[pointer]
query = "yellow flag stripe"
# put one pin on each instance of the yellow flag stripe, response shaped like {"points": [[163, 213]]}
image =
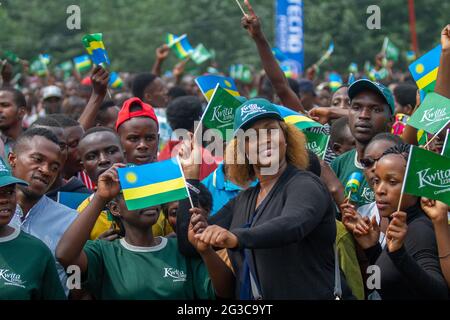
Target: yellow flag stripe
{"points": [[427, 79], [152, 189], [295, 118]]}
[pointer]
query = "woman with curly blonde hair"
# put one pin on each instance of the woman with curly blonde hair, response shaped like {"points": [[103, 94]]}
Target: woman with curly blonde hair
{"points": [[279, 233]]}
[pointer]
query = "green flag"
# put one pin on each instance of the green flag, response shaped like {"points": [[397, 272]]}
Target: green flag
{"points": [[219, 114], [433, 113], [317, 143], [427, 175], [446, 146], [200, 54], [241, 72], [11, 56], [390, 50], [37, 67]]}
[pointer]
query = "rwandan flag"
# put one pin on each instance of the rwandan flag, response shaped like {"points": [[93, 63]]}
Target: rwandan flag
{"points": [[180, 45], [152, 184], [425, 69], [334, 81], [95, 47], [45, 58], [208, 83], [115, 81], [300, 121], [82, 63]]}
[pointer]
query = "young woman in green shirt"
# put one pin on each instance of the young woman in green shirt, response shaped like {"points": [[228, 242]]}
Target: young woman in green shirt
{"points": [[139, 266]]}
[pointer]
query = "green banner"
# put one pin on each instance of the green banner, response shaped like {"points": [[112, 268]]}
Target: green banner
{"points": [[219, 114], [433, 113], [317, 143], [427, 175]]}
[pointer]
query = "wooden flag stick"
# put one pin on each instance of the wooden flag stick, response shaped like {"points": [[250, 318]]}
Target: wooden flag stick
{"points": [[437, 133], [400, 202], [349, 196], [239, 4], [109, 93]]}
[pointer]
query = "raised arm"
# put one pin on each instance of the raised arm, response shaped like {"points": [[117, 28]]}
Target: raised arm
{"points": [[443, 78], [70, 248], [289, 98], [161, 55], [100, 78]]}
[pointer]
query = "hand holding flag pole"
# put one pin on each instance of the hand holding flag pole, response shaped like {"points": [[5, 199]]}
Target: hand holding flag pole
{"points": [[437, 133]]}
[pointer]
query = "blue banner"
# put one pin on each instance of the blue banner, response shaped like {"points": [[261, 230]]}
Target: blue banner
{"points": [[289, 33]]}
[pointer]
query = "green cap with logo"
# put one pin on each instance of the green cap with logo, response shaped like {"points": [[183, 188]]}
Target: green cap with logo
{"points": [[251, 111], [366, 84], [6, 177]]}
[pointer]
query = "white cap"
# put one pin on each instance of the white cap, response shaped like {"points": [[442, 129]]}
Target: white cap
{"points": [[51, 91]]}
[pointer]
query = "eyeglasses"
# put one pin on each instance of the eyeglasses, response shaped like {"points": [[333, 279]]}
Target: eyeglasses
{"points": [[368, 162]]}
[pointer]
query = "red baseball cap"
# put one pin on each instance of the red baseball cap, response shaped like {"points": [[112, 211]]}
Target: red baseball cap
{"points": [[125, 113]]}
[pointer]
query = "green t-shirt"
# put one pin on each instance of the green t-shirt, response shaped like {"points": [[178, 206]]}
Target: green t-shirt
{"points": [[344, 166], [27, 269], [118, 270]]}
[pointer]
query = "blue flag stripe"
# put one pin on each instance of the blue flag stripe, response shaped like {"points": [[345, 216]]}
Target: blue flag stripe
{"points": [[150, 173], [430, 61]]}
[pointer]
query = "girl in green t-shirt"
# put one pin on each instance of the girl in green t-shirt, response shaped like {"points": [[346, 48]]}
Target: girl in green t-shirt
{"points": [[139, 265]]}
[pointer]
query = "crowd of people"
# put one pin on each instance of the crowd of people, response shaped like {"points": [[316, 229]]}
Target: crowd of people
{"points": [[242, 234]]}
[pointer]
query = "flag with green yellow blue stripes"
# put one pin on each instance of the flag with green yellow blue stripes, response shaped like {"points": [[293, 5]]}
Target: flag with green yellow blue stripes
{"points": [[152, 184]]}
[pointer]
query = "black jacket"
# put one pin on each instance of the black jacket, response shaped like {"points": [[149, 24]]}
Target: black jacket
{"points": [[291, 241], [413, 271]]}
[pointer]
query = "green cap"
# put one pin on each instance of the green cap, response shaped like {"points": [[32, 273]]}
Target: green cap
{"points": [[6, 177], [365, 84], [252, 110]]}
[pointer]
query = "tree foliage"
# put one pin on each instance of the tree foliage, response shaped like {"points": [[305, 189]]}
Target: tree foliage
{"points": [[133, 29]]}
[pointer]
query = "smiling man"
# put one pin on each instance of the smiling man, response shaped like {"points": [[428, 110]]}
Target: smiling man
{"points": [[371, 112], [36, 158]]}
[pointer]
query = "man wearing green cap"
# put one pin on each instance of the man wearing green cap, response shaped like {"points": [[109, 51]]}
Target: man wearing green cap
{"points": [[27, 267], [371, 112]]}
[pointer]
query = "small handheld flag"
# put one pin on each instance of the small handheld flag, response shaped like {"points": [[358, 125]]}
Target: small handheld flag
{"points": [[82, 63], [45, 58], [200, 54], [179, 45], [95, 48], [327, 54], [38, 68], [425, 69], [352, 186], [353, 68], [334, 81], [432, 114], [219, 114], [390, 50], [351, 78], [152, 184], [115, 81], [11, 56], [241, 72], [317, 143], [427, 175], [207, 85], [302, 122]]}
